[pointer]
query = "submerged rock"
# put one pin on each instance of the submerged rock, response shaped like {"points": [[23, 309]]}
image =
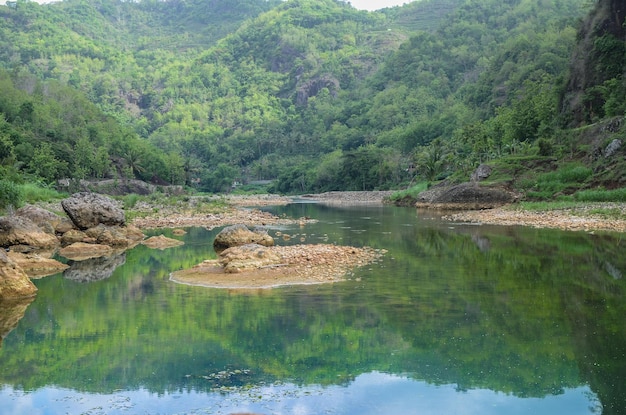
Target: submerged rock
{"points": [[238, 235], [162, 242]]}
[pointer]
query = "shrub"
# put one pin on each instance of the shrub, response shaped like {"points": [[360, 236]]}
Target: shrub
{"points": [[10, 194]]}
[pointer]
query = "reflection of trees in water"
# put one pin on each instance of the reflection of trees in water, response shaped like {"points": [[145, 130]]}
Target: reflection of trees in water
{"points": [[94, 269], [480, 307]]}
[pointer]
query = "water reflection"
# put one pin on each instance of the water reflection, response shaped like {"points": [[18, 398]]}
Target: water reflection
{"points": [[94, 269], [491, 319], [370, 393]]}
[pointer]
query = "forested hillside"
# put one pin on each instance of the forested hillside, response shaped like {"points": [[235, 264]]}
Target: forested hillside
{"points": [[314, 95]]}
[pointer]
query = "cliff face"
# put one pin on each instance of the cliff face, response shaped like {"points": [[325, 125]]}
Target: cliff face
{"points": [[598, 57]]}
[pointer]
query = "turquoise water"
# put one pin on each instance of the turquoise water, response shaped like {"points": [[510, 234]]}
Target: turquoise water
{"points": [[455, 318]]}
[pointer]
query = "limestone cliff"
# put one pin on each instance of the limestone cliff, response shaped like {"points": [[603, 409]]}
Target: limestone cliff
{"points": [[600, 55]]}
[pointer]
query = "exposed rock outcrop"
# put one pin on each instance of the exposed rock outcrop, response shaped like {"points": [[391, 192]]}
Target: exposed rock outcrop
{"points": [[80, 251], [464, 196], [36, 265], [46, 220], [23, 234], [314, 86], [14, 283], [247, 257], [88, 210], [237, 235]]}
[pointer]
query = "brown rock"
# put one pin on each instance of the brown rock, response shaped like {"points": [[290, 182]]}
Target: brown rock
{"points": [[162, 242], [73, 236], [64, 226], [36, 265], [14, 283], [43, 218], [19, 230], [115, 236], [238, 235], [247, 257], [80, 251]]}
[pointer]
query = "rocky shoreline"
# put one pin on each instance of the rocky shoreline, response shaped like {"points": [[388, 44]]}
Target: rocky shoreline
{"points": [[587, 217]]}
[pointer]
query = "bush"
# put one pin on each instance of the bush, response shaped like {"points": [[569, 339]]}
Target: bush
{"points": [[10, 194]]}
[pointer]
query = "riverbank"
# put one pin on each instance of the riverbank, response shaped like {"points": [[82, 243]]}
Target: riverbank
{"points": [[587, 217], [243, 209], [217, 211]]}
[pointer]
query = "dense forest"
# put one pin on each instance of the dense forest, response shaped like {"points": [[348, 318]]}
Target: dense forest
{"points": [[312, 95]]}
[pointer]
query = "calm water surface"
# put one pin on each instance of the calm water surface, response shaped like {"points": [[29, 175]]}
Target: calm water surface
{"points": [[455, 319]]}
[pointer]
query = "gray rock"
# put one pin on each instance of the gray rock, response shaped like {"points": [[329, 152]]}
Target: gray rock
{"points": [[238, 235], [465, 196], [88, 210], [612, 148], [481, 173]]}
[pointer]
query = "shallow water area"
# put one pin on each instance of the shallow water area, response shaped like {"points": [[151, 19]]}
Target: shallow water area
{"points": [[455, 318]]}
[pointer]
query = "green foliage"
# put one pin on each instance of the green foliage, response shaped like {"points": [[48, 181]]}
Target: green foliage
{"points": [[601, 195], [39, 192], [567, 179], [10, 194], [408, 194], [258, 89]]}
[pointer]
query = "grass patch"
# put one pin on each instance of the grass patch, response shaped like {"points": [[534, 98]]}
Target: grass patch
{"points": [[33, 192], [601, 195], [410, 193], [564, 180]]}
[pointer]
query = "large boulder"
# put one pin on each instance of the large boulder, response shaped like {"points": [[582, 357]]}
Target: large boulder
{"points": [[247, 257], [43, 218], [238, 235], [116, 236], [37, 265], [22, 233], [464, 196], [14, 283], [81, 251], [88, 210]]}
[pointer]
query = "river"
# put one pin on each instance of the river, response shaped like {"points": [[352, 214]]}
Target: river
{"points": [[456, 319]]}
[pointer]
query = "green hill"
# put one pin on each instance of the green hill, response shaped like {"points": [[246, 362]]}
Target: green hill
{"points": [[314, 95]]}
